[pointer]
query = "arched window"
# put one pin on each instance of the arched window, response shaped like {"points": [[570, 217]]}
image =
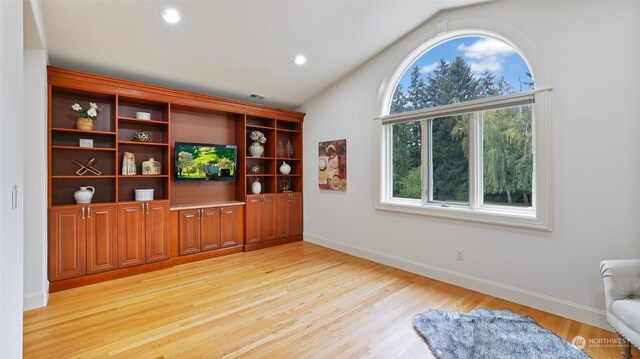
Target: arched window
{"points": [[459, 133]]}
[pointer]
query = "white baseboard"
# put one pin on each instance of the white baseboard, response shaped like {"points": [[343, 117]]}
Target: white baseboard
{"points": [[36, 300], [573, 311]]}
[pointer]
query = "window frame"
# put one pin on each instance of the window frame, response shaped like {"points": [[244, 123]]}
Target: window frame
{"points": [[537, 217]]}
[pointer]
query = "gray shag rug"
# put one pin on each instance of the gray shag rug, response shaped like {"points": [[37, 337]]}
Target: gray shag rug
{"points": [[495, 334]]}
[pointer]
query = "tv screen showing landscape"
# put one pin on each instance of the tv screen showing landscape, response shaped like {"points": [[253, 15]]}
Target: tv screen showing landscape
{"points": [[205, 162]]}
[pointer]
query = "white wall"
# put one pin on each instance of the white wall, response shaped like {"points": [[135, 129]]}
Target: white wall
{"points": [[592, 50], [36, 285], [11, 164]]}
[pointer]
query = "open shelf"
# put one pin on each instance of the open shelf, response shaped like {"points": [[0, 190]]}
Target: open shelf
{"points": [[286, 126], [289, 131], [142, 122], [76, 131], [260, 122], [71, 139], [66, 187], [134, 143], [77, 148], [128, 106], [88, 175], [294, 181], [128, 184], [267, 182], [62, 161], [142, 176], [143, 153], [62, 117]]}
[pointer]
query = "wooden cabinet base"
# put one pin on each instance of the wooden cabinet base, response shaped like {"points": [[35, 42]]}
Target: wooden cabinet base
{"points": [[126, 272], [206, 255], [271, 243]]}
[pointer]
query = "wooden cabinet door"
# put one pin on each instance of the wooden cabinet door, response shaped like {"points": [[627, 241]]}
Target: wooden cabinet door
{"points": [[131, 234], [254, 219], [283, 214], [229, 226], [157, 237], [67, 242], [189, 227], [102, 227], [296, 219], [268, 216], [210, 229]]}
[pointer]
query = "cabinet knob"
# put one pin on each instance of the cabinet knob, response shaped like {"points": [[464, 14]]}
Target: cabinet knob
{"points": [[82, 212]]}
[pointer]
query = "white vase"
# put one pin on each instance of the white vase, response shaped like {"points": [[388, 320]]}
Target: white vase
{"points": [[84, 194], [285, 169], [256, 150], [256, 187]]}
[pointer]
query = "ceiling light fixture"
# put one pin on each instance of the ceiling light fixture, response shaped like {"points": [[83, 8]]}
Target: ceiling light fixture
{"points": [[171, 16], [300, 60]]}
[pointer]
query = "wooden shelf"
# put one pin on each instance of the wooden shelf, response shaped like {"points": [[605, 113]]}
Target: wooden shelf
{"points": [[288, 159], [134, 143], [260, 158], [259, 175], [76, 148], [288, 130], [143, 122], [91, 176], [258, 127], [143, 176], [289, 175], [82, 132]]}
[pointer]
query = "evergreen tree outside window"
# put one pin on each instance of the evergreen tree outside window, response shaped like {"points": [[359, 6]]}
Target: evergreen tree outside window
{"points": [[480, 157]]}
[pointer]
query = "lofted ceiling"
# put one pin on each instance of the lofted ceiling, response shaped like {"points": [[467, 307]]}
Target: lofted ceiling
{"points": [[229, 48]]}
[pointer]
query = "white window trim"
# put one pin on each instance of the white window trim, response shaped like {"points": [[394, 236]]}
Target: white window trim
{"points": [[537, 218]]}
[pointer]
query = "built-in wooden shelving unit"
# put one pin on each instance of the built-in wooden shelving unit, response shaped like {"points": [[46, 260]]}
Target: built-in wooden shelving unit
{"points": [[114, 235]]}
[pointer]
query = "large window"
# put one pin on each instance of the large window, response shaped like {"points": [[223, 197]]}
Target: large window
{"points": [[463, 135]]}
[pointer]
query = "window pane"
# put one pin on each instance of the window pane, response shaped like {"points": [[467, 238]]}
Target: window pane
{"points": [[508, 156], [449, 167], [461, 69], [406, 160]]}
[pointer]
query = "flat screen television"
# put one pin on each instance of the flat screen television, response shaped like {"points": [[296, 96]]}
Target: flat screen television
{"points": [[205, 162]]}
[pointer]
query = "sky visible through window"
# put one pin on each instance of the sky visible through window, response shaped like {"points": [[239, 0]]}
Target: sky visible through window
{"points": [[480, 53]]}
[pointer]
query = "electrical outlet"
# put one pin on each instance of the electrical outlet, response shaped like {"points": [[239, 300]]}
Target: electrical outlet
{"points": [[459, 254]]}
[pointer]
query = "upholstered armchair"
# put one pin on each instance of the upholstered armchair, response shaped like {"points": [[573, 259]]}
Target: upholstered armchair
{"points": [[622, 294]]}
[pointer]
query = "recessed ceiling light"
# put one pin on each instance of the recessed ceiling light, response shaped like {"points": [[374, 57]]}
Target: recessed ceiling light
{"points": [[300, 60], [171, 16]]}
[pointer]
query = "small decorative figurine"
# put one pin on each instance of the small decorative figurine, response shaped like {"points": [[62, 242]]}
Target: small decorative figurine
{"points": [[151, 167], [255, 168], [128, 164], [280, 149], [142, 136], [289, 149], [84, 168], [285, 185]]}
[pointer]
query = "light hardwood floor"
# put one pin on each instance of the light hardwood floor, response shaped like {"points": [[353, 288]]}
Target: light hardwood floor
{"points": [[293, 301]]}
